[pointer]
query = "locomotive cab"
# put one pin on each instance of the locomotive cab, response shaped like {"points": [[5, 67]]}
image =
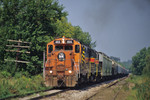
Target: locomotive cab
{"points": [[62, 65]]}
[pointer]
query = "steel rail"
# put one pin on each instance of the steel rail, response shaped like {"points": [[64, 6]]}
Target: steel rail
{"points": [[108, 87]]}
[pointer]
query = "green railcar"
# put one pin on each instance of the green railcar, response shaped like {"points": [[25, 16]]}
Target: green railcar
{"points": [[106, 62]]}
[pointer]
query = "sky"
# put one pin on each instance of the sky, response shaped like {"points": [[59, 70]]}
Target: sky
{"points": [[120, 27]]}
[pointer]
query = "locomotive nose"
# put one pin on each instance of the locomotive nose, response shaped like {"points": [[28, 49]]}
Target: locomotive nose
{"points": [[64, 66]]}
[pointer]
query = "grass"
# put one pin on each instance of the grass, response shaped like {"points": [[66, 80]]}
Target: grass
{"points": [[139, 87], [19, 84]]}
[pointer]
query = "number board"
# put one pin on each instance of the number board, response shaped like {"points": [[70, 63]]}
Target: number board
{"points": [[57, 42], [69, 41]]}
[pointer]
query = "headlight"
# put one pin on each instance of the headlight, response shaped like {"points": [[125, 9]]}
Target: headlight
{"points": [[61, 56], [70, 71], [51, 71]]}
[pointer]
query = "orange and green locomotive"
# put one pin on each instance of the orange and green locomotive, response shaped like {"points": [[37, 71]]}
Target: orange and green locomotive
{"points": [[70, 63]]}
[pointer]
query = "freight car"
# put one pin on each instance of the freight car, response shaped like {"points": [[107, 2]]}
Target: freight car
{"points": [[70, 63], [122, 71], [106, 66]]}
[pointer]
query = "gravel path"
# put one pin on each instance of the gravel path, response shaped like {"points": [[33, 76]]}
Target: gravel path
{"points": [[108, 90], [88, 93]]}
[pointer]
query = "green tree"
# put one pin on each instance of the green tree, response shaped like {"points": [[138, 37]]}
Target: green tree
{"points": [[38, 22], [83, 37], [29, 20], [64, 28], [139, 62], [146, 69]]}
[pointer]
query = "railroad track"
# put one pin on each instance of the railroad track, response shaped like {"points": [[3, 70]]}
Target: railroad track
{"points": [[80, 88], [37, 95], [55, 91], [115, 96], [109, 85], [45, 94], [27, 94]]}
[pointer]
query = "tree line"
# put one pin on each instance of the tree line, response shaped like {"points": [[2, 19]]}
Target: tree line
{"points": [[141, 73], [141, 62], [38, 22]]}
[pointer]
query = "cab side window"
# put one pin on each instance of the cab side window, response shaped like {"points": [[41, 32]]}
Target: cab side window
{"points": [[77, 48], [50, 48]]}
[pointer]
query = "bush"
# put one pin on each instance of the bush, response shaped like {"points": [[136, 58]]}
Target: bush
{"points": [[4, 88], [143, 92], [141, 89], [5, 74], [20, 84]]}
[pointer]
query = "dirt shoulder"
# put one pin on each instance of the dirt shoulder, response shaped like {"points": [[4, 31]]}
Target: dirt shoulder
{"points": [[119, 91]]}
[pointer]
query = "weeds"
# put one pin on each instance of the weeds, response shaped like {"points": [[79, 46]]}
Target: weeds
{"points": [[19, 84], [143, 91], [141, 88]]}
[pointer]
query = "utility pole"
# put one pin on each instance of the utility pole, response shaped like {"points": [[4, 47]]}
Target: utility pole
{"points": [[44, 65], [17, 55], [20, 45]]}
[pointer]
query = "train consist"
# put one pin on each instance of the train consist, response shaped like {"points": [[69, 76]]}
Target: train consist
{"points": [[70, 63]]}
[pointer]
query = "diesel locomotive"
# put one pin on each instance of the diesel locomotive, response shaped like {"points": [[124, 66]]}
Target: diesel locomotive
{"points": [[70, 63]]}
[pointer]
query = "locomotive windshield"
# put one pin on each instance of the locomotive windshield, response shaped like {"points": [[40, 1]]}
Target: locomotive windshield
{"points": [[50, 48], [66, 47], [77, 48], [58, 48]]}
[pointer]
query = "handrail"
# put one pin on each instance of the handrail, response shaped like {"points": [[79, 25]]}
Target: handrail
{"points": [[76, 66]]}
